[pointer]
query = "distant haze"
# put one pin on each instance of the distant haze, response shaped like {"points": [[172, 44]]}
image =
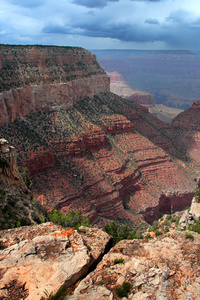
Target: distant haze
{"points": [[172, 77]]}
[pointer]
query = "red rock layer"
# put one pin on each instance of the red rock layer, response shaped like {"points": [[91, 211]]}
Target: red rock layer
{"points": [[142, 98], [185, 133], [134, 174], [35, 78]]}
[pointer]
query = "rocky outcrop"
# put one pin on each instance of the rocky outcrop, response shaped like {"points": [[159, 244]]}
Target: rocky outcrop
{"points": [[120, 86], [190, 215], [17, 206], [9, 173], [44, 259], [141, 98], [37, 78], [163, 268]]}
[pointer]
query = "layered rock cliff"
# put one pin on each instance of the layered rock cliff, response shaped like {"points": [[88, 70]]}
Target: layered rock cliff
{"points": [[94, 158], [17, 206], [104, 154], [37, 78], [184, 133]]}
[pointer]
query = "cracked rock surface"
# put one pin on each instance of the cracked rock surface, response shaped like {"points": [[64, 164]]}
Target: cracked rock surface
{"points": [[45, 262], [164, 268]]}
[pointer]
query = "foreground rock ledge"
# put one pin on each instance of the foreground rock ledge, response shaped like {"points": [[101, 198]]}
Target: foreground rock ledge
{"points": [[165, 268], [47, 259]]}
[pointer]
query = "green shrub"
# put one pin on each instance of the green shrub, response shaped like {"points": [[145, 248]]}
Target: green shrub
{"points": [[120, 292], [166, 229], [124, 290], [119, 232], [118, 261], [155, 225], [3, 162], [148, 236], [88, 247], [59, 295], [158, 232], [73, 218], [126, 286], [189, 236]]}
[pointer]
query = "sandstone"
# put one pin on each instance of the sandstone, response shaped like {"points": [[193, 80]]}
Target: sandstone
{"points": [[48, 259], [46, 79], [88, 148], [163, 269], [102, 162]]}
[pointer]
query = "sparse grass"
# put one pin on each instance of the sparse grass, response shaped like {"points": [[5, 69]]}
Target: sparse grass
{"points": [[59, 295]]}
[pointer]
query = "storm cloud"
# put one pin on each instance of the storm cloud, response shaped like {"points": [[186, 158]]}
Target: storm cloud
{"points": [[147, 24], [92, 3]]}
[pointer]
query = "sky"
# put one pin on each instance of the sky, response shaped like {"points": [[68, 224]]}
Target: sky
{"points": [[102, 24]]}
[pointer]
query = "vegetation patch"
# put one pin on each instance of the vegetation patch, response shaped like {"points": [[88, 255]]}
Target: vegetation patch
{"points": [[118, 261], [124, 290], [189, 236], [120, 232], [73, 218]]}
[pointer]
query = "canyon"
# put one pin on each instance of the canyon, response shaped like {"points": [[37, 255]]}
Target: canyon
{"points": [[89, 149], [119, 85], [170, 76]]}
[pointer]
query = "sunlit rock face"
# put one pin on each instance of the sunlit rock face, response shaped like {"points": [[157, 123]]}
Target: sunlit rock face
{"points": [[45, 257], [87, 148], [163, 268], [37, 78]]}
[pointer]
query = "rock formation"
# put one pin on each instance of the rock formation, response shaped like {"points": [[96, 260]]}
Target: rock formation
{"points": [[190, 215], [47, 257], [104, 154], [16, 200], [120, 86], [37, 78], [163, 268]]}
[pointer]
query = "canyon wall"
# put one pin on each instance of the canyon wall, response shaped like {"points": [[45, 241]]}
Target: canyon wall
{"points": [[86, 147], [106, 156], [17, 206], [37, 78]]}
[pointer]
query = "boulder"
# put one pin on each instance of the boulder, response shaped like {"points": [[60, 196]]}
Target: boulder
{"points": [[40, 264]]}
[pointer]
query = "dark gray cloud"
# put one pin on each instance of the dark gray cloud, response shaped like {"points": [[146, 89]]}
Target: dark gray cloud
{"points": [[102, 23], [151, 21], [57, 29], [93, 3], [120, 31]]}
